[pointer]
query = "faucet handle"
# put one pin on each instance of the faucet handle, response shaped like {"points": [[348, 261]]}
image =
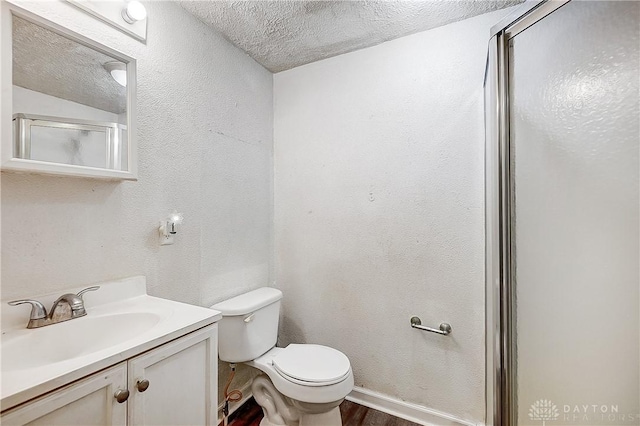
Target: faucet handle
{"points": [[38, 310], [81, 292]]}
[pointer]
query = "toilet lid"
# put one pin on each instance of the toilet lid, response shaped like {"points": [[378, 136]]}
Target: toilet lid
{"points": [[312, 364]]}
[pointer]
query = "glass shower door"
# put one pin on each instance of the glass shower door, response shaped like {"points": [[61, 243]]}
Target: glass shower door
{"points": [[574, 129]]}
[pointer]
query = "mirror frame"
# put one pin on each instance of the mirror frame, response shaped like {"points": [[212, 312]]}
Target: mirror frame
{"points": [[10, 163]]}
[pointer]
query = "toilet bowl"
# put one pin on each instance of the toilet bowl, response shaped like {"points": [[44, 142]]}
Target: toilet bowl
{"points": [[305, 389], [301, 384]]}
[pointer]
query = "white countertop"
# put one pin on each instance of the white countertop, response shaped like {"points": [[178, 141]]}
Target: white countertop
{"points": [[119, 308]]}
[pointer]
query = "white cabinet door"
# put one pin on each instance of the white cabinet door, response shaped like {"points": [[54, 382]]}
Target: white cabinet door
{"points": [[87, 402], [182, 378]]}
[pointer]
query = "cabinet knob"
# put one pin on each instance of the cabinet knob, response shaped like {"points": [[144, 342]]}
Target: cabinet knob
{"points": [[142, 385], [121, 395]]}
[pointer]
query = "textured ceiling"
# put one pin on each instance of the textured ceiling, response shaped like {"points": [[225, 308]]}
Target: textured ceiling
{"points": [[282, 34], [52, 64]]}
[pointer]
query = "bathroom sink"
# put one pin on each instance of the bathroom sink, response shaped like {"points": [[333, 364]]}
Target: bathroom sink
{"points": [[122, 322], [72, 339]]}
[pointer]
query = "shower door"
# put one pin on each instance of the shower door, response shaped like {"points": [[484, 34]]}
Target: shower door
{"points": [[563, 237]]}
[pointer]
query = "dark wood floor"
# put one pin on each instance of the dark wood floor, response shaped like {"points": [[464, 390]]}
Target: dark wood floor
{"points": [[353, 414]]}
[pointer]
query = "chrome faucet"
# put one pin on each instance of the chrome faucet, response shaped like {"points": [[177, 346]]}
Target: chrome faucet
{"points": [[67, 307]]}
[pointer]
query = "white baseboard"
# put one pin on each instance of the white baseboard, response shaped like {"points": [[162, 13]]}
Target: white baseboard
{"points": [[233, 406], [396, 407], [405, 410]]}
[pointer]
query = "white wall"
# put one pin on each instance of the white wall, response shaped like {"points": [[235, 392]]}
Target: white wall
{"points": [[31, 102], [205, 149], [379, 212]]}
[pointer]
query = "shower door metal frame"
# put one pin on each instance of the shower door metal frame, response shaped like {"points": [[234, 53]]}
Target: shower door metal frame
{"points": [[501, 396]]}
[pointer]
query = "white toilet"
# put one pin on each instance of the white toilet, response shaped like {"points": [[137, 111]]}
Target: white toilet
{"points": [[303, 385]]}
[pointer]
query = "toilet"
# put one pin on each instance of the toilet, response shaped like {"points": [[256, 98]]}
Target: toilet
{"points": [[300, 385]]}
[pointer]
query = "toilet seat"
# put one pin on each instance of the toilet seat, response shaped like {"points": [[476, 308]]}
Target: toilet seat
{"points": [[312, 365], [300, 390]]}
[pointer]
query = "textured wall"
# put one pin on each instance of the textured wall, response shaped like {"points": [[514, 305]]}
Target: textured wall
{"points": [[576, 137], [205, 149], [379, 211]]}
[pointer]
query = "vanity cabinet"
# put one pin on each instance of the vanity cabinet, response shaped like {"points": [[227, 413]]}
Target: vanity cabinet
{"points": [[88, 402], [182, 378], [172, 384]]}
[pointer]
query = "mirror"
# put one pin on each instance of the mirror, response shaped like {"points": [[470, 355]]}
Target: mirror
{"points": [[71, 103]]}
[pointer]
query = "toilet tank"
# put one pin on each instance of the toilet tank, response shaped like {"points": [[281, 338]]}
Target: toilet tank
{"points": [[249, 324]]}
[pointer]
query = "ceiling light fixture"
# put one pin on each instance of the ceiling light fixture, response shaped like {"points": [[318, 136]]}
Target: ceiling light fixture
{"points": [[134, 11], [118, 71]]}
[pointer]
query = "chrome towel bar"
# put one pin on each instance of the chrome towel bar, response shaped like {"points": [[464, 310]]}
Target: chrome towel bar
{"points": [[445, 329]]}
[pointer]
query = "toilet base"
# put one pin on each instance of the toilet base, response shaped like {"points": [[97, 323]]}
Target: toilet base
{"points": [[280, 410]]}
